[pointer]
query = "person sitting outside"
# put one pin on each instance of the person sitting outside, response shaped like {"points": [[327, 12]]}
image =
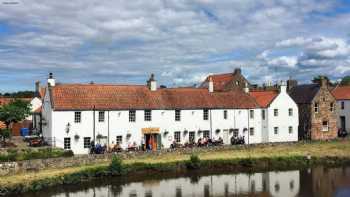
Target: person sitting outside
{"points": [[111, 147]]}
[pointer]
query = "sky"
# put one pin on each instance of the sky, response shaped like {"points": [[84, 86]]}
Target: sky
{"points": [[180, 41]]}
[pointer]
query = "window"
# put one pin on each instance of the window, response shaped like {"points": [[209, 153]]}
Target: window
{"points": [[119, 139], [325, 126], [275, 112], [235, 132], [331, 107], [251, 114], [77, 117], [225, 114], [342, 105], [67, 143], [290, 112], [275, 129], [101, 116], [177, 136], [177, 115], [132, 116], [148, 115], [316, 107], [251, 131], [205, 114], [263, 114], [191, 137], [206, 134], [87, 141], [290, 130]]}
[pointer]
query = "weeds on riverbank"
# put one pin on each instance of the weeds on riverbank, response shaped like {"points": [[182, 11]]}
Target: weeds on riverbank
{"points": [[28, 154], [193, 163]]}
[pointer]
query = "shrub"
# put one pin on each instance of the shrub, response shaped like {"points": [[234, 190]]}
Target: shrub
{"points": [[116, 167], [194, 162]]}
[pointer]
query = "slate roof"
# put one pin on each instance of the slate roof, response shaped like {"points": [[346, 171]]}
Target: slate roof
{"points": [[304, 94], [341, 92], [264, 97], [124, 97]]}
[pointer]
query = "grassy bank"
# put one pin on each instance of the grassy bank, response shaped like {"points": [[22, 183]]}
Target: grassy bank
{"points": [[257, 158]]}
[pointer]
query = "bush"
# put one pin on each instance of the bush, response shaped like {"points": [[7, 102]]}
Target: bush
{"points": [[28, 154], [194, 162], [116, 167]]}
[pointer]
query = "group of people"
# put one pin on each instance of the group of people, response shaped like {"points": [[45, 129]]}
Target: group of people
{"points": [[201, 142]]}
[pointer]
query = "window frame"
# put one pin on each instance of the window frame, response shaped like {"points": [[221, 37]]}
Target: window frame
{"points": [[251, 131], [342, 105], [101, 116], [177, 136], [77, 117], [225, 114], [331, 107], [325, 127], [119, 139], [177, 115], [206, 133], [132, 115], [275, 130], [316, 107], [275, 112], [67, 145], [263, 114], [290, 129], [290, 112], [87, 145], [148, 115], [205, 114], [251, 114]]}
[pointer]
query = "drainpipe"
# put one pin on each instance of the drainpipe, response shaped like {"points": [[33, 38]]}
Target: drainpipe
{"points": [[108, 131], [94, 126], [211, 125]]}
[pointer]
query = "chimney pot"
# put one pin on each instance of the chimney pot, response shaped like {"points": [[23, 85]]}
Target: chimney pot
{"points": [[237, 71], [152, 83]]}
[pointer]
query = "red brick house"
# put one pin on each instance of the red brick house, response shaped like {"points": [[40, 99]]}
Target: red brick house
{"points": [[317, 111]]}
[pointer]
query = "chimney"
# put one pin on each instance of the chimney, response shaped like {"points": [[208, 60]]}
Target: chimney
{"points": [[37, 87], [237, 71], [283, 87], [291, 83], [211, 85], [246, 88], [152, 83], [51, 81]]}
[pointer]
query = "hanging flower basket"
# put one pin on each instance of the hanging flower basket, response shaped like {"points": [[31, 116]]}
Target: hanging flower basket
{"points": [[217, 130], [76, 137]]}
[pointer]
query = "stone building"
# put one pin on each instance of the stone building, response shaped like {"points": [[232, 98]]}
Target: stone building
{"points": [[317, 110], [227, 81], [342, 94]]}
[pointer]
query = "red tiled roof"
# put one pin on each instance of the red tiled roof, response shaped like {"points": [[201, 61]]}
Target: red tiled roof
{"points": [[264, 98], [220, 80], [114, 97], [341, 92]]}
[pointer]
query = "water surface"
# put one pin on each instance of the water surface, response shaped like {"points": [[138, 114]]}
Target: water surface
{"points": [[316, 182]]}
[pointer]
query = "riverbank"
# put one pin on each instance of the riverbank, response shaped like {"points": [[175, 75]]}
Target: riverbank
{"points": [[256, 158]]}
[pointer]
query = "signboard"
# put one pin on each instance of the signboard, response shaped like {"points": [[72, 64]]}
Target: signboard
{"points": [[150, 130]]}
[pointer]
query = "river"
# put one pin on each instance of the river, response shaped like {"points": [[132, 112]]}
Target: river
{"points": [[316, 182]]}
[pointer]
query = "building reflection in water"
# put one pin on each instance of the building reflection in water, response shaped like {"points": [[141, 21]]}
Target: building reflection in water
{"points": [[316, 182]]}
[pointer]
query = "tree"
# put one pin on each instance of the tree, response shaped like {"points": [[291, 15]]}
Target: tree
{"points": [[317, 79], [5, 134], [345, 80], [15, 111]]}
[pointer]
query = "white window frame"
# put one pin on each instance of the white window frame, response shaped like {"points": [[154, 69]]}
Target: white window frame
{"points": [[275, 112], [177, 136], [87, 142], [316, 107], [290, 129], [225, 115], [205, 114], [325, 128], [251, 114], [342, 105], [290, 111], [77, 117], [101, 116], [177, 115], [275, 130], [132, 115], [251, 131], [331, 107], [263, 114], [148, 115], [119, 139], [67, 143]]}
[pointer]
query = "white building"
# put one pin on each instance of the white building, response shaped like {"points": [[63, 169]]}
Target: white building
{"points": [[342, 95], [75, 114], [280, 117]]}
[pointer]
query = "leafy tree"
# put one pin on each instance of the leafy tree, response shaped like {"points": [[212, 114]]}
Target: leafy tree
{"points": [[5, 134], [345, 80], [15, 111], [317, 79]]}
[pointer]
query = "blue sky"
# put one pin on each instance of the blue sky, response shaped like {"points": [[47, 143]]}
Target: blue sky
{"points": [[181, 41]]}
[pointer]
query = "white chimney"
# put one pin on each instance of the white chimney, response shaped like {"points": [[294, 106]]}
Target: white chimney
{"points": [[283, 86], [246, 88], [51, 81], [152, 83], [211, 85]]}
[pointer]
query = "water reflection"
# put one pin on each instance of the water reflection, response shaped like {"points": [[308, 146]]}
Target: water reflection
{"points": [[313, 182]]}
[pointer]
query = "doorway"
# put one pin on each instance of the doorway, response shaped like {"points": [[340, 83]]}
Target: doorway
{"points": [[153, 141], [225, 136], [342, 123]]}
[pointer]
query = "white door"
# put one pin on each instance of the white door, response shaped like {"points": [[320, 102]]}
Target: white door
{"points": [[225, 136]]}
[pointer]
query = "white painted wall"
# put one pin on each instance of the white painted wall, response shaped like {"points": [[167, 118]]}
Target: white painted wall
{"points": [[283, 121], [344, 112]]}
